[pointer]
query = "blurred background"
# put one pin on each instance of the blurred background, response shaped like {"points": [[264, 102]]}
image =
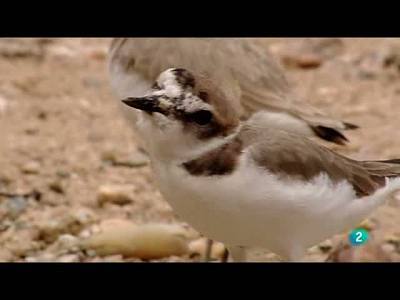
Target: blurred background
{"points": [[74, 187]]}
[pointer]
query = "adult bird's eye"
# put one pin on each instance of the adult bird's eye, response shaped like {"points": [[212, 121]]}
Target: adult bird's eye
{"points": [[201, 117]]}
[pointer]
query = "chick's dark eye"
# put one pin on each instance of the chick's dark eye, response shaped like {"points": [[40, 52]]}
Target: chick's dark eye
{"points": [[201, 117]]}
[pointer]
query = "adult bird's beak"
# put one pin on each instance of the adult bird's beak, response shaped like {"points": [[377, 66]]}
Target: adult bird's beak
{"points": [[148, 104]]}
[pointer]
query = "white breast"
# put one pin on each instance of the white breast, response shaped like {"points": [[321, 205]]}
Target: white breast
{"points": [[254, 208]]}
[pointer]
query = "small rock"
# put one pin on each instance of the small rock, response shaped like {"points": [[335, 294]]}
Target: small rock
{"points": [[114, 194], [388, 248], [63, 174], [314, 250], [393, 240], [136, 160], [68, 242], [31, 259], [151, 241], [367, 224], [392, 58], [302, 61], [16, 206], [91, 253], [85, 234], [84, 216], [42, 115], [71, 222], [5, 180], [370, 65], [370, 252], [61, 52], [325, 246], [56, 186], [97, 54], [198, 248], [11, 48], [109, 156], [32, 167]]}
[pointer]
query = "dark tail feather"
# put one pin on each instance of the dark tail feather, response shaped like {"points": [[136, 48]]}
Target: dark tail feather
{"points": [[330, 134]]}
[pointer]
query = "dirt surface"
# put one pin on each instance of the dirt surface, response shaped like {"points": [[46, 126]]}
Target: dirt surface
{"points": [[63, 139]]}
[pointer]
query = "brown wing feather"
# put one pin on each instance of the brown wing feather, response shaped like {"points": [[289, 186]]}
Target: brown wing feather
{"points": [[292, 156]]}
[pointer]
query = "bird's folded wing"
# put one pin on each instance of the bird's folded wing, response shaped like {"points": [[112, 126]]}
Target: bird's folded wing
{"points": [[292, 156]]}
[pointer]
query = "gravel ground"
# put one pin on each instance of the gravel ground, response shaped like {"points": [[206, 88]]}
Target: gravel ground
{"points": [[74, 187]]}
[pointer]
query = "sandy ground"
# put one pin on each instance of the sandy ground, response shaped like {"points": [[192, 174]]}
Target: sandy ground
{"points": [[61, 130]]}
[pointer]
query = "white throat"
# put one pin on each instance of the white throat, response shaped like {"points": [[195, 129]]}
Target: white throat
{"points": [[169, 148]]}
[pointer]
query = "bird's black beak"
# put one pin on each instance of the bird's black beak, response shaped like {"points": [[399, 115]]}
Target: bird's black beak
{"points": [[148, 104]]}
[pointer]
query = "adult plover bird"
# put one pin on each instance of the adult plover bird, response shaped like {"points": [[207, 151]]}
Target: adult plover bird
{"points": [[243, 69], [245, 184]]}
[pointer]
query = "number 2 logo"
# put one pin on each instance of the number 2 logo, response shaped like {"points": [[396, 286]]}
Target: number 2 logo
{"points": [[358, 237]]}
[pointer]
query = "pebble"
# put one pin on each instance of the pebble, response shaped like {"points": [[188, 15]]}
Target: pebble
{"points": [[393, 240], [16, 206], [71, 222], [21, 242], [32, 167], [84, 216], [150, 241], [367, 224], [302, 61], [5, 179], [370, 252], [97, 54], [198, 248], [325, 246], [60, 51], [68, 242], [389, 248], [56, 186], [17, 48], [116, 194], [31, 259], [136, 160]]}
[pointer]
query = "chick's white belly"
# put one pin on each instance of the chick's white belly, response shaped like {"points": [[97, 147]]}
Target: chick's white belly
{"points": [[252, 207]]}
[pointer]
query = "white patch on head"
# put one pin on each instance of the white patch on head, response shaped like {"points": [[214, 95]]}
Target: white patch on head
{"points": [[171, 88], [168, 83]]}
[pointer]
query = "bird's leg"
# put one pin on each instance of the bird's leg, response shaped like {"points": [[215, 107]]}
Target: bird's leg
{"points": [[207, 256], [238, 253], [225, 255]]}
